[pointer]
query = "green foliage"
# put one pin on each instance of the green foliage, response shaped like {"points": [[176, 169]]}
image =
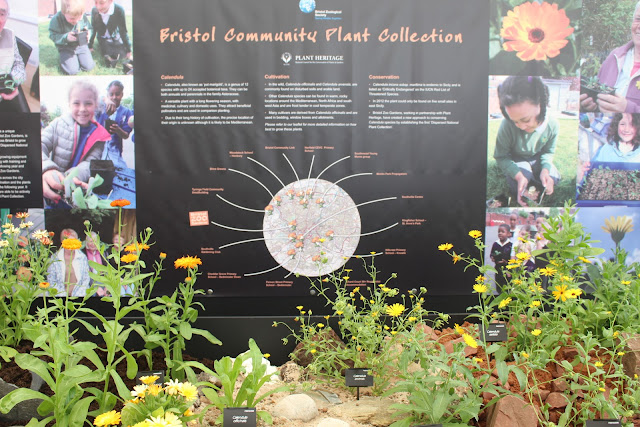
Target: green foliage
{"points": [[228, 371], [25, 261], [442, 388], [371, 326], [168, 324], [543, 321]]}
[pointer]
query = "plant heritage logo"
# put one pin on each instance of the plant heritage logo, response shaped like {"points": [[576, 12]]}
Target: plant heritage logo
{"points": [[286, 58]]}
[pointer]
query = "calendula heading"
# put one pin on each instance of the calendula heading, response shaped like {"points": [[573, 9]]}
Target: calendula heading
{"points": [[335, 34]]}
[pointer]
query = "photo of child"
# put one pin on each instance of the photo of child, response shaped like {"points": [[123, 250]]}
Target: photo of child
{"points": [[69, 30]]}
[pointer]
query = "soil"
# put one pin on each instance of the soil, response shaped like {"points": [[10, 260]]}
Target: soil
{"points": [[544, 379], [611, 184]]}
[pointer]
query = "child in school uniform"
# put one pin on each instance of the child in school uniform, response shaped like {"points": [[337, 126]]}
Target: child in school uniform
{"points": [[109, 26], [69, 29]]}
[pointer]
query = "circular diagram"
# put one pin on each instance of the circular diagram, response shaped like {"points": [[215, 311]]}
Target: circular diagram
{"points": [[311, 227]]}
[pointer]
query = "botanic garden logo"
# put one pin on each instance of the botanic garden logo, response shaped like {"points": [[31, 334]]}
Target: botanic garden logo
{"points": [[307, 6]]}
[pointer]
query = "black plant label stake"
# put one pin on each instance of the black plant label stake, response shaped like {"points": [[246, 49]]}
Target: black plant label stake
{"points": [[239, 417], [603, 423], [495, 332], [358, 377]]}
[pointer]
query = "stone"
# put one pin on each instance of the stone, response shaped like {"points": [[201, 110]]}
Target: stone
{"points": [[468, 351], [556, 400], [368, 410], [512, 411], [631, 358], [296, 407], [327, 335], [332, 422], [291, 372], [559, 385], [23, 411]]}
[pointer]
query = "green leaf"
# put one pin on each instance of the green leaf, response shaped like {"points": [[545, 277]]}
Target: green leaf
{"points": [[31, 363], [185, 330], [79, 412], [208, 335], [19, 395]]}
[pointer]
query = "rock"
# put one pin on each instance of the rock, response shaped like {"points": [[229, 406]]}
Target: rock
{"points": [[290, 372], [332, 422], [556, 400], [559, 385], [468, 351], [512, 411], [296, 407], [203, 376], [427, 330], [23, 411], [328, 335], [631, 358], [368, 410]]}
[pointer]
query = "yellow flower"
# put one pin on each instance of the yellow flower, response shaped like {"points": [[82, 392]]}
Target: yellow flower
{"points": [[536, 332], [477, 360], [346, 278], [187, 262], [468, 339], [583, 259], [505, 302], [523, 256], [625, 282], [535, 304], [616, 333], [412, 319], [445, 247], [536, 31], [517, 282], [149, 379], [480, 288], [299, 307], [458, 329], [598, 364], [107, 419], [128, 258], [44, 285], [395, 310], [602, 389], [574, 293], [386, 328], [313, 350], [524, 354], [120, 203], [548, 271], [561, 292], [394, 332], [621, 353], [339, 313], [266, 355], [163, 255], [320, 325], [189, 391], [455, 257], [480, 279], [154, 389], [71, 244], [475, 234]]}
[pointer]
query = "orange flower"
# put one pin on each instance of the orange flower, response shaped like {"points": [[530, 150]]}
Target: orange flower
{"points": [[536, 31], [187, 262], [24, 274], [71, 244], [120, 203], [129, 258], [136, 247]]}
